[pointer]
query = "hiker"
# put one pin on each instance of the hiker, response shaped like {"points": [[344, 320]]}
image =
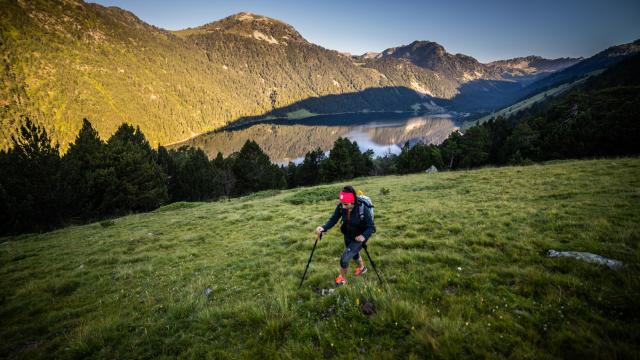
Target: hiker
{"points": [[357, 227]]}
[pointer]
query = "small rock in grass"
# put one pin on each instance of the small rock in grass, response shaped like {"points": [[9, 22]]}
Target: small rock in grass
{"points": [[450, 290], [207, 292], [368, 308], [588, 257], [324, 292]]}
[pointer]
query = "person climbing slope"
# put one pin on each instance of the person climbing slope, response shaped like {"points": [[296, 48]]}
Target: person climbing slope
{"points": [[357, 227]]}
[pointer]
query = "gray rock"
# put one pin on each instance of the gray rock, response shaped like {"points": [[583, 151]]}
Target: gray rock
{"points": [[588, 257], [368, 308], [450, 290], [521, 312], [207, 292], [325, 292], [432, 170]]}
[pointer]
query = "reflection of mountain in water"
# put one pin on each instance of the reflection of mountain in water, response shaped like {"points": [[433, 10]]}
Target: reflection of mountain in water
{"points": [[432, 130], [283, 142]]}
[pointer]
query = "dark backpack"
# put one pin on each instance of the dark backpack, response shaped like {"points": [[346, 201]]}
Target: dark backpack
{"points": [[364, 202]]}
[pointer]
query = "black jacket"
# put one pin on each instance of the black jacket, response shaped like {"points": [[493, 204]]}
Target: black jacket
{"points": [[355, 226]]}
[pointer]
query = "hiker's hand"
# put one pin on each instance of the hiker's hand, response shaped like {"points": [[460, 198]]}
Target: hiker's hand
{"points": [[359, 238], [319, 230]]}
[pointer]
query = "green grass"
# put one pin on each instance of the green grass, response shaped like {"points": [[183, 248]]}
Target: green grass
{"points": [[462, 253]]}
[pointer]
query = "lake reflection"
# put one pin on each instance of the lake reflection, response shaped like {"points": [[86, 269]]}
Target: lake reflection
{"points": [[390, 136], [286, 141]]}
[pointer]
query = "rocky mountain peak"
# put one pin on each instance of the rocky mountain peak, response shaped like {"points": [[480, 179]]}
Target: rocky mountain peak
{"points": [[433, 56], [256, 26]]}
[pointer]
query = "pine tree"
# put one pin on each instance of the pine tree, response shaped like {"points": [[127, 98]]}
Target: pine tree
{"points": [[292, 174], [386, 164], [224, 167], [133, 180], [279, 177], [81, 164], [193, 177], [475, 147], [451, 150], [30, 187], [309, 170], [363, 165], [499, 131], [253, 170], [403, 160], [341, 164], [523, 143]]}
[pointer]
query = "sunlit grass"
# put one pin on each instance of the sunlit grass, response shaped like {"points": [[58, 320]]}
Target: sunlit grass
{"points": [[462, 255]]}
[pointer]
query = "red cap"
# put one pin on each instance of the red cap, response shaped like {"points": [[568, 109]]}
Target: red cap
{"points": [[346, 197]]}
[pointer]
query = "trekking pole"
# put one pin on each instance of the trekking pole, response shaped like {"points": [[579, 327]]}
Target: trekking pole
{"points": [[372, 263], [310, 256]]}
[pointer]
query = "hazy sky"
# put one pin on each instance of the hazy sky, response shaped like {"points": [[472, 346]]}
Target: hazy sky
{"points": [[487, 30]]}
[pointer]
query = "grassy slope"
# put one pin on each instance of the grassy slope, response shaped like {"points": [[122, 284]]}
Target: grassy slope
{"points": [[527, 103], [463, 254]]}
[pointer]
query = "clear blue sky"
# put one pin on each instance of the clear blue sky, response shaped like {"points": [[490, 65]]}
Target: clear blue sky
{"points": [[487, 30]]}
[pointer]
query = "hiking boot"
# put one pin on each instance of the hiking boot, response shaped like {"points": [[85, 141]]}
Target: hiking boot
{"points": [[340, 280], [360, 270]]}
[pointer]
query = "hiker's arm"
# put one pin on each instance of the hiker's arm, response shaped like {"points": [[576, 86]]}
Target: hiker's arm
{"points": [[370, 225], [332, 220]]}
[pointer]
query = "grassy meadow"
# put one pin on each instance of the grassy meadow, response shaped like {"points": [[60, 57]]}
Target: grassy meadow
{"points": [[462, 255]]}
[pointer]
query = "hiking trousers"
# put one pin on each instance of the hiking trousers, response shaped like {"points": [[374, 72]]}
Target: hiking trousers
{"points": [[352, 251]]}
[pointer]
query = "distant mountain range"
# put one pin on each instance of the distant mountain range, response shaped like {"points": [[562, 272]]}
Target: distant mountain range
{"points": [[65, 60]]}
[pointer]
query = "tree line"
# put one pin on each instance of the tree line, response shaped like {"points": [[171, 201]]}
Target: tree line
{"points": [[41, 190]]}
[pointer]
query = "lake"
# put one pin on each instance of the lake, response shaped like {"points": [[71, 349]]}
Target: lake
{"points": [[289, 140]]}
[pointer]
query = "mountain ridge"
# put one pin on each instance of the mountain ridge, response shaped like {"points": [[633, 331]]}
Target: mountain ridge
{"points": [[432, 56], [66, 60]]}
